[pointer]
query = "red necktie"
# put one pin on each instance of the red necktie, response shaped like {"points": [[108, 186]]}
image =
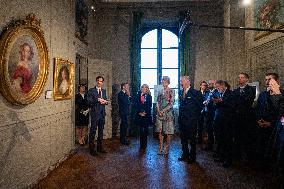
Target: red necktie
{"points": [[142, 99]]}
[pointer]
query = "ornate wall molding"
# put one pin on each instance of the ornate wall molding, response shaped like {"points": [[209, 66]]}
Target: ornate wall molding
{"points": [[267, 45]]}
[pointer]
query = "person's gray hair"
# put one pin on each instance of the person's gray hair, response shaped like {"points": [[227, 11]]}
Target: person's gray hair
{"points": [[186, 77], [167, 78]]}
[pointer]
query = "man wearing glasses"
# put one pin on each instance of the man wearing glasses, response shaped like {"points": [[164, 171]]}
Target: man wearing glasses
{"points": [[97, 100]]}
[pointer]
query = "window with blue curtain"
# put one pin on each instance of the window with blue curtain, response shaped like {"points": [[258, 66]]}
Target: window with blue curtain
{"points": [[159, 57]]}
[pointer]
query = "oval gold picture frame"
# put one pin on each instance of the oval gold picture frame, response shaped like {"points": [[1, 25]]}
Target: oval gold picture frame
{"points": [[20, 37]]}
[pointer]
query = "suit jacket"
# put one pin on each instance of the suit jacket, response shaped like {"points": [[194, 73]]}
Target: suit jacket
{"points": [[123, 102], [97, 109], [189, 107], [80, 102], [210, 108], [225, 109], [140, 107], [265, 109], [244, 100]]}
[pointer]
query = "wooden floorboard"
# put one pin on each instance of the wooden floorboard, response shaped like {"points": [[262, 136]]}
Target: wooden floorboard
{"points": [[128, 167]]}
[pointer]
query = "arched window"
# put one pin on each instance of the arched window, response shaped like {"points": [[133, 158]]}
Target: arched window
{"points": [[159, 57]]}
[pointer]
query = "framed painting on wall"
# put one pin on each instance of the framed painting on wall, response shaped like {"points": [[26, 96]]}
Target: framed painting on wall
{"points": [[23, 61], [268, 14], [63, 79], [81, 20]]}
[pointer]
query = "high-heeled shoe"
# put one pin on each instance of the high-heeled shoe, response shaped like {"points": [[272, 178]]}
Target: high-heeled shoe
{"points": [[166, 150], [160, 152]]}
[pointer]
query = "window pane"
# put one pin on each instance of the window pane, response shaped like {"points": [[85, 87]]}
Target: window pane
{"points": [[149, 40], [148, 58], [152, 94], [169, 39], [149, 77], [170, 58], [176, 98], [173, 74]]}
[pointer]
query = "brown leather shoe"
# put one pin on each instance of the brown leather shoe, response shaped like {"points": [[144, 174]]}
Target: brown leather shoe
{"points": [[183, 158], [101, 150]]}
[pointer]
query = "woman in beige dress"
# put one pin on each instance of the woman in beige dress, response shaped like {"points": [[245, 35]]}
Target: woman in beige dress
{"points": [[165, 115]]}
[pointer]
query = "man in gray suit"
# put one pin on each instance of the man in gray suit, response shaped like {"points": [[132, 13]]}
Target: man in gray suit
{"points": [[97, 100]]}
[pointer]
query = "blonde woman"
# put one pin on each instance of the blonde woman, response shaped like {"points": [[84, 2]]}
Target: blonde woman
{"points": [[143, 106], [165, 115]]}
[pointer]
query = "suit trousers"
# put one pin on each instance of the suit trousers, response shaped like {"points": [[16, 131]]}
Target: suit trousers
{"points": [[209, 127], [188, 132], [97, 124], [123, 127], [201, 127], [143, 136]]}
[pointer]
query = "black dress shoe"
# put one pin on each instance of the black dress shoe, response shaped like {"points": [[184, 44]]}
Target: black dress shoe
{"points": [[227, 164], [93, 153], [102, 150], [190, 161], [183, 158], [127, 143], [208, 148], [215, 155], [220, 160]]}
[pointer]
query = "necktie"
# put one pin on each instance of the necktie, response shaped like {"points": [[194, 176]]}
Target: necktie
{"points": [[142, 99], [100, 93], [184, 94]]}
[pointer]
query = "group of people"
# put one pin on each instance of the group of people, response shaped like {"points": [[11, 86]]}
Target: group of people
{"points": [[241, 127], [235, 124]]}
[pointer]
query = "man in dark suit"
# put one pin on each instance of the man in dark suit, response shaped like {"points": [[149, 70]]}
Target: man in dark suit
{"points": [[210, 113], [97, 100], [223, 127], [124, 102], [244, 97], [190, 106]]}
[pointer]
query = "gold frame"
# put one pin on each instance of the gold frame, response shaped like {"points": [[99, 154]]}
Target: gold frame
{"points": [[28, 27], [258, 35], [58, 64]]}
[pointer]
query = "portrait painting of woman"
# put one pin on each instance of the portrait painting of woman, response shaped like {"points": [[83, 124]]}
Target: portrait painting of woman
{"points": [[22, 75], [63, 79], [23, 62], [63, 84]]}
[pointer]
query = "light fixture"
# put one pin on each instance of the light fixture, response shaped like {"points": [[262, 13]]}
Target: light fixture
{"points": [[93, 8], [246, 2]]}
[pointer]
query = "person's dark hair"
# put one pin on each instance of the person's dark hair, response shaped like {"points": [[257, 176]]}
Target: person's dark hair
{"points": [[82, 85], [245, 74], [122, 85], [97, 78], [203, 82], [274, 76], [227, 85], [220, 82]]}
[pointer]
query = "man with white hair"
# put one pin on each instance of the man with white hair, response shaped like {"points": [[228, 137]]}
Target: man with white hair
{"points": [[190, 106]]}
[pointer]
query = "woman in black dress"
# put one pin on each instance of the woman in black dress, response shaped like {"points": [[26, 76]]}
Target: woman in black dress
{"points": [[81, 115], [143, 106]]}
